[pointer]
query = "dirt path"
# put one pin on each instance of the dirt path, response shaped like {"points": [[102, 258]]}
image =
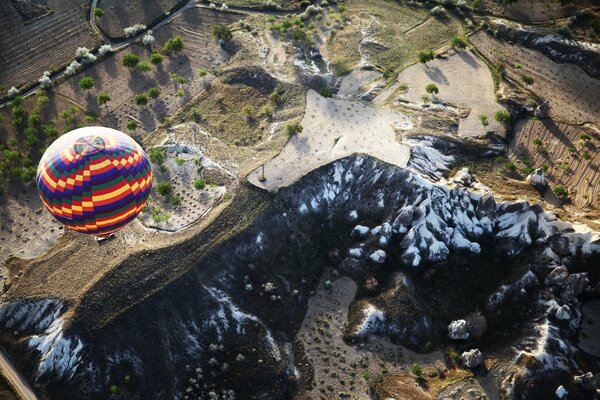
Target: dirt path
{"points": [[16, 381]]}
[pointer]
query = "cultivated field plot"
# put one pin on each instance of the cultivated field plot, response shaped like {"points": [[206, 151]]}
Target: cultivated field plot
{"points": [[463, 80], [570, 156], [120, 14], [388, 34], [529, 11], [572, 93], [333, 129], [48, 43], [122, 84], [284, 4]]}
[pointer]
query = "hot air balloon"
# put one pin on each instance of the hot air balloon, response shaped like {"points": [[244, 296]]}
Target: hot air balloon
{"points": [[94, 180]]}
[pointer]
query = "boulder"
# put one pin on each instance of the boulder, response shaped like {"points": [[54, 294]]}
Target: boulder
{"points": [[557, 276], [472, 358], [537, 179], [404, 218], [476, 324], [563, 312], [560, 245], [463, 177], [378, 256], [360, 231], [356, 252], [457, 330], [486, 207], [587, 381], [574, 285], [543, 110], [561, 392]]}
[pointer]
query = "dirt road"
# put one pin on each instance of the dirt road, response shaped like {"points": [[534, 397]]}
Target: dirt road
{"points": [[17, 382]]}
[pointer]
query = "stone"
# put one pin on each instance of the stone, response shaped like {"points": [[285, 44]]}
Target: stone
{"points": [[457, 330], [543, 110], [463, 177], [537, 179], [586, 380], [561, 392], [472, 358], [574, 285], [378, 256], [486, 207], [563, 312], [360, 231], [560, 245], [557, 276]]}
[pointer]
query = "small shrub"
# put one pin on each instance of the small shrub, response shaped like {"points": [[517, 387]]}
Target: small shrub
{"points": [[527, 79], [164, 188], [153, 93], [366, 375], [221, 32], [180, 160], [114, 389], [103, 98], [483, 118], [132, 125], [293, 128], [561, 191], [176, 200], [275, 97], [458, 42], [587, 155], [503, 117], [325, 92], [266, 110], [425, 99], [537, 142], [416, 370], [157, 155], [141, 99], [144, 66], [158, 216], [585, 137], [199, 183], [98, 12], [511, 166], [425, 56]]}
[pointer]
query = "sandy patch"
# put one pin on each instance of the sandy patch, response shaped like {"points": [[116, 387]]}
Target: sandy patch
{"points": [[463, 80], [358, 82], [339, 368], [334, 129], [572, 93]]}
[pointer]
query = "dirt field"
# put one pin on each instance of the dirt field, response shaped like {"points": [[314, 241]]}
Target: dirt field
{"points": [[48, 43], [569, 160], [119, 14], [122, 84], [333, 129], [463, 80], [572, 93], [341, 369]]}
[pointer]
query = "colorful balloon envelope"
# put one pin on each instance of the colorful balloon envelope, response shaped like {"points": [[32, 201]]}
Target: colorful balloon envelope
{"points": [[94, 180]]}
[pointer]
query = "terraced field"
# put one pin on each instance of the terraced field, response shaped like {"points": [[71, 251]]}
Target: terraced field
{"points": [[122, 84], [119, 14], [529, 11], [572, 93], [48, 43], [568, 159]]}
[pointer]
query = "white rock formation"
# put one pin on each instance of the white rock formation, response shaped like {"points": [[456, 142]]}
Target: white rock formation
{"points": [[457, 330], [472, 358], [378, 256]]}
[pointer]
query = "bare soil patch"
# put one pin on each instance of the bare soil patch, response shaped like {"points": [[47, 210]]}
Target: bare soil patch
{"points": [[45, 44], [571, 92], [529, 11], [333, 129], [463, 80]]}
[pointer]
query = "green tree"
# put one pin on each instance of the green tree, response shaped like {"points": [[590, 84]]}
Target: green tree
{"points": [[417, 370], [425, 56], [130, 60], [199, 183], [86, 83], [98, 12], [153, 93], [141, 99], [156, 58], [527, 79], [144, 66], [157, 155], [458, 42], [561, 191], [293, 128], [131, 125], [103, 99], [221, 32], [325, 92], [432, 88], [173, 45], [176, 200]]}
